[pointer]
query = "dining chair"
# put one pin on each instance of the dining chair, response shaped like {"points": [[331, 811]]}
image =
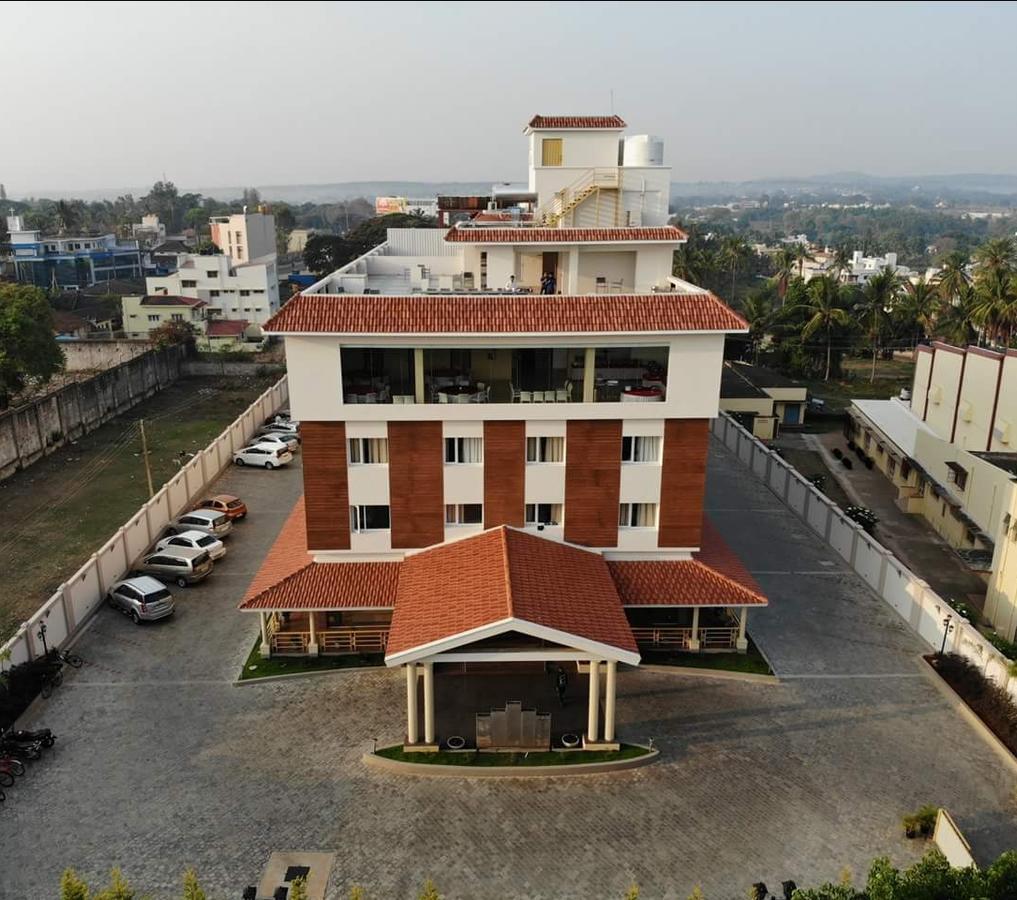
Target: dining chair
{"points": [[525, 397], [561, 395], [463, 398], [515, 394], [550, 396], [538, 396], [442, 397]]}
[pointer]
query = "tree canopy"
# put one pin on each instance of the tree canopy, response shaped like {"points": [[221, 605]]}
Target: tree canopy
{"points": [[28, 345], [325, 253]]}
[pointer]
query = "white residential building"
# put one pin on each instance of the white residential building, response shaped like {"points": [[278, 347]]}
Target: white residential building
{"points": [[862, 268], [150, 230], [242, 291], [245, 236]]}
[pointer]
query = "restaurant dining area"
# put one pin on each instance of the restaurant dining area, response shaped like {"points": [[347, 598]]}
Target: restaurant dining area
{"points": [[457, 375]]}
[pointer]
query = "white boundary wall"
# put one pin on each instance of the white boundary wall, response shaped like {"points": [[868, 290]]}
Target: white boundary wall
{"points": [[77, 599], [912, 598]]}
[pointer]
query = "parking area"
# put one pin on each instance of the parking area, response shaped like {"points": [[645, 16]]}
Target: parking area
{"points": [[163, 763]]}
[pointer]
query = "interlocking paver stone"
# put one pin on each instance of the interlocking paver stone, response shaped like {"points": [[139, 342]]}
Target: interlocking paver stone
{"points": [[163, 763]]}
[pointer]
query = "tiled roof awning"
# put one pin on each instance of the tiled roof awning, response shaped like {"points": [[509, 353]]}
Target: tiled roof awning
{"points": [[504, 314], [565, 122], [668, 234]]}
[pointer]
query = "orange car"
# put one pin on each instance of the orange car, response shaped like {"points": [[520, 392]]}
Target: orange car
{"points": [[233, 507]]}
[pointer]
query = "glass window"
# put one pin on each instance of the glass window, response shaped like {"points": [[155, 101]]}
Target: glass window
{"points": [[464, 450], [188, 283], [545, 449], [153, 318], [637, 515], [212, 274], [464, 514], [369, 518], [543, 513], [368, 451], [641, 448], [177, 317]]}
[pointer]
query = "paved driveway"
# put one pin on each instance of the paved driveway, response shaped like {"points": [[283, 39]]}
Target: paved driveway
{"points": [[163, 763]]}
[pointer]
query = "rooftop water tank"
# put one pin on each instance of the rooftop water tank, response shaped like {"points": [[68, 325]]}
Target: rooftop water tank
{"points": [[644, 150]]}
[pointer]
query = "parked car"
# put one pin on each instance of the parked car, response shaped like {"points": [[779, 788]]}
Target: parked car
{"points": [[280, 438], [142, 598], [288, 427], [232, 507], [184, 565], [210, 521], [280, 415], [268, 456], [196, 540]]}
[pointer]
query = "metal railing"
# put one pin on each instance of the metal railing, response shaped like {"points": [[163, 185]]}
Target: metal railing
{"points": [[570, 196], [290, 643], [714, 638], [678, 638]]}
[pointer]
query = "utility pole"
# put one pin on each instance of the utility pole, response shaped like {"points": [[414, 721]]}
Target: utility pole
{"points": [[144, 455]]}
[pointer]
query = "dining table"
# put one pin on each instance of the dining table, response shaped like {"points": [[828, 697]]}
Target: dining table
{"points": [[456, 393], [642, 395]]}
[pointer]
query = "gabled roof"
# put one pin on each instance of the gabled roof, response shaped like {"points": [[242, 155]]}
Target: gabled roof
{"points": [[168, 300], [227, 327], [668, 234], [504, 314], [65, 322], [506, 580], [565, 122]]}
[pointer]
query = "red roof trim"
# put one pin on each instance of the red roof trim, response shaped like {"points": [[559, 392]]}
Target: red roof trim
{"points": [[923, 348], [495, 314], [656, 233], [227, 327], [566, 122], [982, 351], [949, 348]]}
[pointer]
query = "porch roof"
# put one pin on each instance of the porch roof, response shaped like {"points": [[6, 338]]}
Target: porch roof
{"points": [[506, 580]]}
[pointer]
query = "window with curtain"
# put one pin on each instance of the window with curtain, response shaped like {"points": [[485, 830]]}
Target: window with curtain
{"points": [[464, 514], [464, 450], [368, 451], [637, 515], [551, 152], [545, 449], [641, 448], [543, 514], [369, 518]]}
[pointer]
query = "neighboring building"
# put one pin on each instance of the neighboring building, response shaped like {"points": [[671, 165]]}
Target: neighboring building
{"points": [[69, 325], [424, 206], [69, 263], [297, 239], [227, 334], [762, 399], [860, 270], [150, 231], [142, 315], [951, 454], [244, 237], [242, 291], [505, 482]]}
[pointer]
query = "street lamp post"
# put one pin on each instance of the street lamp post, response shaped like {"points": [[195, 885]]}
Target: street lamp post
{"points": [[947, 628], [42, 637]]}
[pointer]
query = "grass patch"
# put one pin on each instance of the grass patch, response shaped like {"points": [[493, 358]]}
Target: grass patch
{"points": [[751, 662], [64, 507], [811, 463], [297, 665], [891, 376], [472, 759]]}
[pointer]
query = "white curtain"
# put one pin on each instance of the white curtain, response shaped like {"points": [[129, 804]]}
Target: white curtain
{"points": [[472, 450], [644, 515], [554, 449], [377, 450], [647, 449], [355, 450]]}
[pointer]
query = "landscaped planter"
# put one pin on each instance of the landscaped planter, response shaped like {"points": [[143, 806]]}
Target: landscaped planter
{"points": [[570, 740], [456, 742]]}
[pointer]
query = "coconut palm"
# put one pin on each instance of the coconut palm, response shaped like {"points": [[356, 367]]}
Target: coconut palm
{"points": [[825, 310], [802, 255], [734, 252], [917, 307], [784, 261], [877, 298], [67, 216], [995, 303], [841, 260], [953, 277], [955, 323], [997, 255]]}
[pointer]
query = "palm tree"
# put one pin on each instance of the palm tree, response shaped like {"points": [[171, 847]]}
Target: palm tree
{"points": [[825, 310], [917, 306], [734, 252], [953, 277], [784, 261], [841, 260], [877, 299], [997, 255], [802, 255], [995, 303], [955, 324], [67, 216]]}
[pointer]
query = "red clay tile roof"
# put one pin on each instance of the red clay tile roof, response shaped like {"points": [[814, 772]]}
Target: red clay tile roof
{"points": [[227, 327], [576, 122], [714, 577], [495, 215], [528, 235], [288, 580], [65, 322], [483, 314], [502, 574]]}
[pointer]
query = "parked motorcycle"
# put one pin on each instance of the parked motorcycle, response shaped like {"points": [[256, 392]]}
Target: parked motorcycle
{"points": [[43, 736]]}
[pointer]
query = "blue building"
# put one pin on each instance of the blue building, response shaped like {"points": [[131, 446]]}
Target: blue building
{"points": [[70, 263]]}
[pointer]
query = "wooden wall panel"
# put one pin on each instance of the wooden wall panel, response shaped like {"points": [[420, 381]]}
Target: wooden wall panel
{"points": [[592, 481], [416, 462], [682, 482], [504, 473], [326, 492]]}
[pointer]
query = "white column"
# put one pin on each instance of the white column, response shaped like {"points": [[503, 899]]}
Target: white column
{"points": [[428, 703], [594, 697], [266, 647], [694, 637], [609, 692], [312, 646], [418, 374], [741, 645], [589, 373], [411, 703], [573, 285]]}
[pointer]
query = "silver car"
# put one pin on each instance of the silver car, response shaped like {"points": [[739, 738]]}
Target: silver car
{"points": [[209, 521], [197, 540], [142, 598], [184, 565], [280, 438]]}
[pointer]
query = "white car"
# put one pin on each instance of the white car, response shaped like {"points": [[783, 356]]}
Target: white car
{"points": [[197, 540], [288, 427], [267, 456], [280, 439]]}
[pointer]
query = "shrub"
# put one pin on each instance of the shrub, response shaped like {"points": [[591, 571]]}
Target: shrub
{"points": [[863, 516], [837, 452], [921, 823], [1007, 648], [846, 463], [989, 701], [19, 687], [868, 462]]}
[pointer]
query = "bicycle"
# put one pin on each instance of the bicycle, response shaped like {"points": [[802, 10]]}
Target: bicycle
{"points": [[72, 659], [50, 680]]}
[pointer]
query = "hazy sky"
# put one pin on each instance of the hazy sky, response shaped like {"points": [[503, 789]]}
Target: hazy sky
{"points": [[109, 95]]}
